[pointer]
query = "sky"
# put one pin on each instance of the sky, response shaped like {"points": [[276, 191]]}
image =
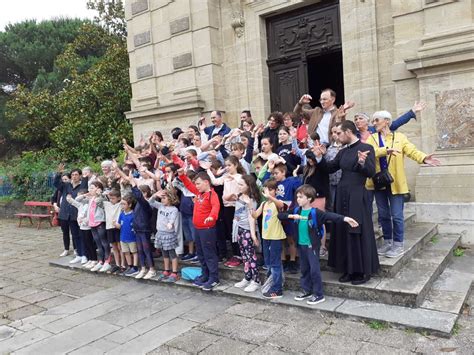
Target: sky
{"points": [[18, 10]]}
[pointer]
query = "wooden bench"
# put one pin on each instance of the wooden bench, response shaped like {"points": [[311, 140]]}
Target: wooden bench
{"points": [[34, 205]]}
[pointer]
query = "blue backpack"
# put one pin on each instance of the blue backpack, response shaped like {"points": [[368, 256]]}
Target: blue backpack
{"points": [[313, 223]]}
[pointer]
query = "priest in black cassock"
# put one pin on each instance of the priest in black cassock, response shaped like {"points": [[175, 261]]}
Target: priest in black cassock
{"points": [[352, 251]]}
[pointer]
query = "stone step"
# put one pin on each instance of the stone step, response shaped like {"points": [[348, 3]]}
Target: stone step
{"points": [[436, 322], [416, 236], [453, 286], [407, 288]]}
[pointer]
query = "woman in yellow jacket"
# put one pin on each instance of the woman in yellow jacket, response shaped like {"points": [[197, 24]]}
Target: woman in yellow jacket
{"points": [[390, 151]]}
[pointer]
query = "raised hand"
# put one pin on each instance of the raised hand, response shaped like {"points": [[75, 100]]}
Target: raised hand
{"points": [[362, 156], [418, 106], [180, 171], [295, 172], [352, 222], [305, 99], [348, 105], [265, 193], [60, 168], [202, 123], [431, 160]]}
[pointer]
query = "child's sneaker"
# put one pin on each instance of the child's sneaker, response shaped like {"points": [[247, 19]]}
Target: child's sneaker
{"points": [[90, 264], [199, 281], [114, 270], [209, 286], [131, 271], [77, 259], [172, 278], [84, 260], [303, 295], [194, 260], [273, 294], [233, 262], [315, 300], [106, 267], [242, 284], [164, 275], [187, 257], [97, 267], [252, 287], [141, 274], [149, 275], [64, 253]]}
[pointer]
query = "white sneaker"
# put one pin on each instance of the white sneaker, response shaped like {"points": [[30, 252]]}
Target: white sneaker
{"points": [[90, 264], [75, 252], [84, 260], [87, 264], [149, 275], [141, 274], [97, 267], [106, 267], [252, 287], [242, 284], [77, 259], [64, 253]]}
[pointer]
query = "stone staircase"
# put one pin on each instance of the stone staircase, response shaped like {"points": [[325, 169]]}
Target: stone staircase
{"points": [[424, 289]]}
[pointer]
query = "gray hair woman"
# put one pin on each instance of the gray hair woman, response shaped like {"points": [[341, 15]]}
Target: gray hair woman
{"points": [[390, 151]]}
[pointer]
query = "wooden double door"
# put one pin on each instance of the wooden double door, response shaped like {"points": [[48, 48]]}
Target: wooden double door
{"points": [[304, 54]]}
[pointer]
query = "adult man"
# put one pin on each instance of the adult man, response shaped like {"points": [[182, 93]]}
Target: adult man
{"points": [[352, 251], [218, 126], [324, 117]]}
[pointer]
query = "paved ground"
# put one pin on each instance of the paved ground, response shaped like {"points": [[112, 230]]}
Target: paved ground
{"points": [[48, 310]]}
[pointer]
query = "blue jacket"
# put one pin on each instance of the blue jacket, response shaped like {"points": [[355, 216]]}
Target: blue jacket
{"points": [[222, 132], [141, 213]]}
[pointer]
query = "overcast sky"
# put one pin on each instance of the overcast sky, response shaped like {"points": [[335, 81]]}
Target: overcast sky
{"points": [[18, 10]]}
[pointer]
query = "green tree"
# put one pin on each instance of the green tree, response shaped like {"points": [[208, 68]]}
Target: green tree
{"points": [[85, 119], [27, 47]]}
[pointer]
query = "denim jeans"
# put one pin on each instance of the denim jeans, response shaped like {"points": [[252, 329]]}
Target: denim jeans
{"points": [[272, 256], [390, 209], [188, 227], [310, 280], [206, 248]]}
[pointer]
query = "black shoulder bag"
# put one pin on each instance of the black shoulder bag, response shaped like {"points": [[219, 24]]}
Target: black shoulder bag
{"points": [[383, 179]]}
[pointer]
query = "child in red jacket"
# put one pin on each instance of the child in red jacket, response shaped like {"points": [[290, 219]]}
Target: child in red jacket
{"points": [[205, 214]]}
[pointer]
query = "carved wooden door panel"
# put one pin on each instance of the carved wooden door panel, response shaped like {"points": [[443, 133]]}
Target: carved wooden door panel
{"points": [[288, 84], [293, 37]]}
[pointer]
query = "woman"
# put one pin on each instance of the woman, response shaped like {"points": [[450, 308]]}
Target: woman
{"points": [[390, 151], [362, 121]]}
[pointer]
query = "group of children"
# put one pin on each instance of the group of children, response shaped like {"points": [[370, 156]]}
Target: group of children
{"points": [[248, 191]]}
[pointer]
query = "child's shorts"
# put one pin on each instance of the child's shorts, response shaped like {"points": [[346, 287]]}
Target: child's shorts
{"points": [[113, 235], [130, 247]]}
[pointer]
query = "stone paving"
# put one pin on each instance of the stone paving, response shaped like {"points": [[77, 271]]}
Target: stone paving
{"points": [[49, 310]]}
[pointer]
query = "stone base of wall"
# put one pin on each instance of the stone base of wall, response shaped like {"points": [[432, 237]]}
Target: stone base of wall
{"points": [[452, 218]]}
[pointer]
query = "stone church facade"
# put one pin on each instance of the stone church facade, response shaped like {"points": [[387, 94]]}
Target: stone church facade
{"points": [[189, 57]]}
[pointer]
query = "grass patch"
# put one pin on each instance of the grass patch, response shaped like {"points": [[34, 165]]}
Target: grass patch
{"points": [[456, 328], [458, 251], [378, 325], [434, 239]]}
